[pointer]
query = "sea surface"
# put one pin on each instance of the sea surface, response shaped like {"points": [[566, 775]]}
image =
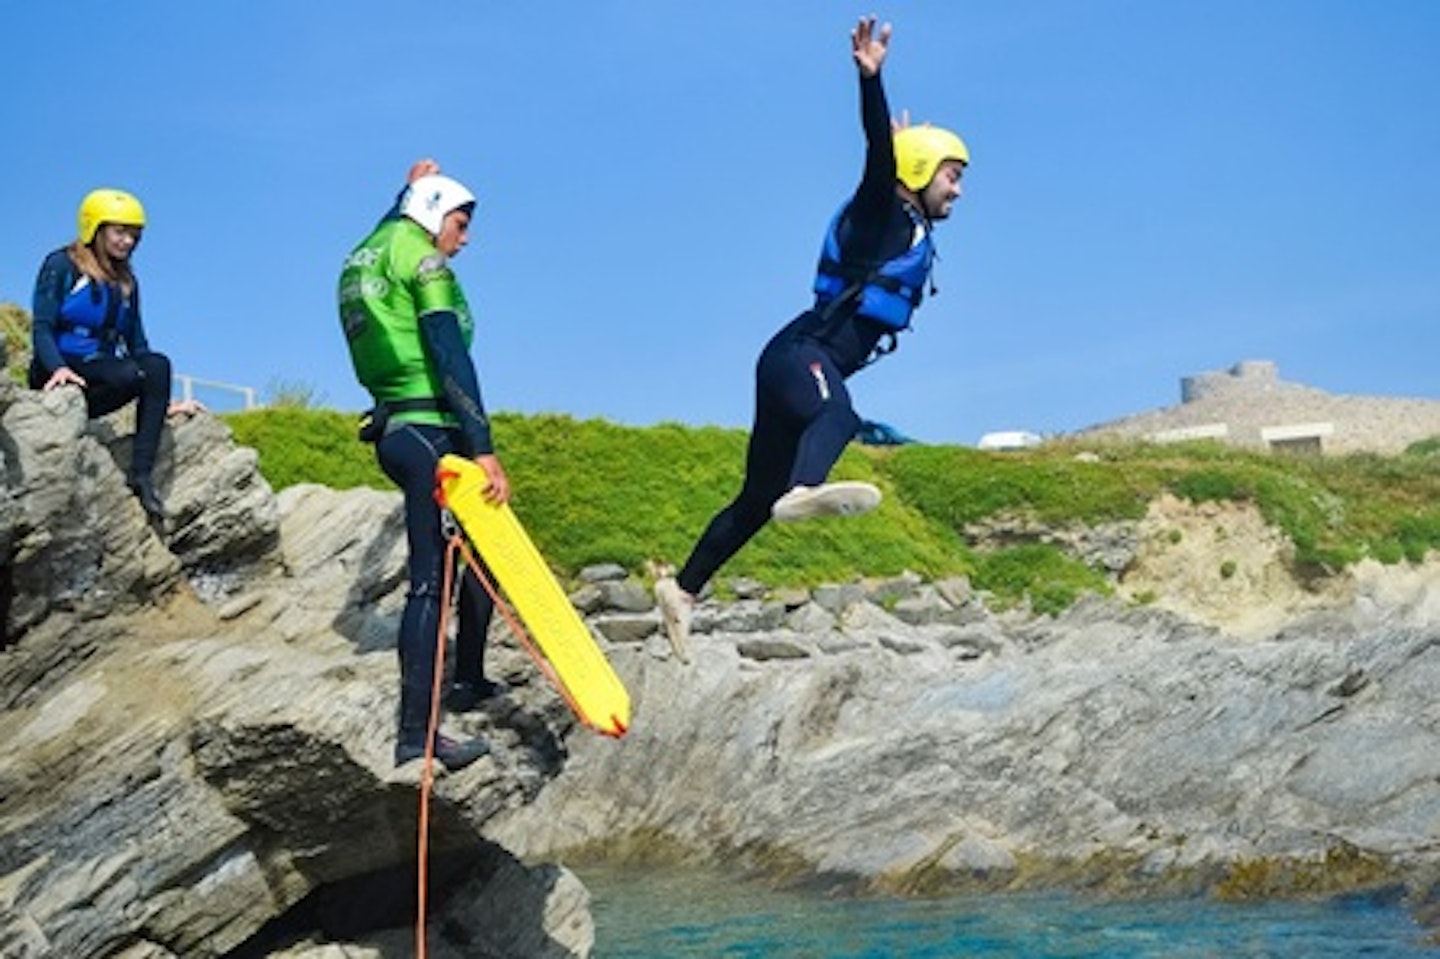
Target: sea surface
{"points": [[668, 914]]}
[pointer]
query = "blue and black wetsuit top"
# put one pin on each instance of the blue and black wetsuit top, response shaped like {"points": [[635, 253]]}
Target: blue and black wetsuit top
{"points": [[877, 254], [78, 318]]}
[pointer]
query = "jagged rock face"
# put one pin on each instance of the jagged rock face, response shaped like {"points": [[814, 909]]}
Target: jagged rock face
{"points": [[77, 538], [1114, 746], [198, 721]]}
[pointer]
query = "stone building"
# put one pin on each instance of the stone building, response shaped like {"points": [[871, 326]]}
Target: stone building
{"points": [[1249, 405]]}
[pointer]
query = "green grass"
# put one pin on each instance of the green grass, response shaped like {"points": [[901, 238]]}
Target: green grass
{"points": [[1039, 572], [299, 445], [593, 491]]}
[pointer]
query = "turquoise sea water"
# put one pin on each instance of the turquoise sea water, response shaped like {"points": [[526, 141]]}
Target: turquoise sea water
{"points": [[695, 915]]}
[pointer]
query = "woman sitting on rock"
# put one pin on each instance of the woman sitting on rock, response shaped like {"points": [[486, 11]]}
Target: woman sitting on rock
{"points": [[87, 331]]}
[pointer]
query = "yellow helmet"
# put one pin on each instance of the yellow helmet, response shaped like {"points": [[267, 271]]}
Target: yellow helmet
{"points": [[108, 206], [919, 151]]}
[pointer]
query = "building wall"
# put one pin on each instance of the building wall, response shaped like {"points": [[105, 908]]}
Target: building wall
{"points": [[1249, 405]]}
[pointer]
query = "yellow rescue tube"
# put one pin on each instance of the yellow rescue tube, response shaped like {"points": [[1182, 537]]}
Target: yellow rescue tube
{"points": [[577, 665]]}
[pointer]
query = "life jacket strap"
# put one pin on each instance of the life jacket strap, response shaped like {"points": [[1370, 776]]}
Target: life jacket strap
{"points": [[864, 276]]}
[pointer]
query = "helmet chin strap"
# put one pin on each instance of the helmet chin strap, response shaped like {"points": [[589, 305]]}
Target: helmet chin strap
{"points": [[915, 200]]}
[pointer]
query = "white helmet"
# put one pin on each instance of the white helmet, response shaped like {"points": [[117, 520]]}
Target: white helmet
{"points": [[429, 198]]}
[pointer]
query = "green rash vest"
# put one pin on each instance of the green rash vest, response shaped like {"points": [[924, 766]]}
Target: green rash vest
{"points": [[392, 279]]}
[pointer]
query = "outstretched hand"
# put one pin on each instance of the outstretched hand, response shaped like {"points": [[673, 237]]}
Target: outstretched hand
{"points": [[869, 45]]}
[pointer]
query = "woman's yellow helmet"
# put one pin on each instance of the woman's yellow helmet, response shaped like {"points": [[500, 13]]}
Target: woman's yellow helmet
{"points": [[108, 206], [919, 151]]}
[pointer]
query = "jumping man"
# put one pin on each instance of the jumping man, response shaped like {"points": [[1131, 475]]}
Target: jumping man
{"points": [[874, 265]]}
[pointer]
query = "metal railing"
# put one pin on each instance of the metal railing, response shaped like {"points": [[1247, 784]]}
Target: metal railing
{"points": [[187, 383]]}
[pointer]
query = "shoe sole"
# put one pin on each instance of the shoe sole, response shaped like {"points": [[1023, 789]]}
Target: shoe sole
{"points": [[846, 498]]}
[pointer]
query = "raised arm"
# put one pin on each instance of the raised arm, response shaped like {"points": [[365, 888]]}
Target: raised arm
{"points": [[869, 46]]}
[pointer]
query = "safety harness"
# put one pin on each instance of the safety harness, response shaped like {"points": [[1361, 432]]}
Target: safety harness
{"points": [[375, 421]]}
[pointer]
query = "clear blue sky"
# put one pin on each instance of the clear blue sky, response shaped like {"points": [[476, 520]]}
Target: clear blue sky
{"points": [[1157, 189]]}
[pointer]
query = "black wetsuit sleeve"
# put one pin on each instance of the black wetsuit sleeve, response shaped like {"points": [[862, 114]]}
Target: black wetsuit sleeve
{"points": [[50, 289], [875, 196], [440, 333]]}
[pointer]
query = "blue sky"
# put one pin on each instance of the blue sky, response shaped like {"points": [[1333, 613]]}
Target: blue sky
{"points": [[1157, 189]]}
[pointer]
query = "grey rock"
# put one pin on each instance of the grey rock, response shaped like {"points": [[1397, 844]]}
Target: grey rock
{"points": [[864, 616], [602, 573], [791, 597], [588, 598], [835, 644], [810, 618], [971, 641], [887, 592], [626, 628], [764, 650], [185, 774], [627, 595], [834, 598], [748, 616], [1107, 735], [746, 588], [923, 605], [955, 590], [905, 645], [78, 541], [1108, 546]]}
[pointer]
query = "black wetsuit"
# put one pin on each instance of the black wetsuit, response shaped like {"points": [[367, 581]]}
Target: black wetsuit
{"points": [[803, 414], [409, 452], [112, 377]]}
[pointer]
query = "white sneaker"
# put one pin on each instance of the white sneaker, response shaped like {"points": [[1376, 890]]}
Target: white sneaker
{"points": [[676, 609], [847, 498]]}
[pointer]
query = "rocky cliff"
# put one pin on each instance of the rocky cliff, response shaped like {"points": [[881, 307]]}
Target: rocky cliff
{"points": [[198, 723]]}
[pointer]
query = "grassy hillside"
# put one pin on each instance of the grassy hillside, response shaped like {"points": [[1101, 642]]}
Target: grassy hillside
{"points": [[593, 491]]}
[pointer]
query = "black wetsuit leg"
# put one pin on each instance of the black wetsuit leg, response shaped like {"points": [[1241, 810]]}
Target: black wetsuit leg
{"points": [[768, 458], [476, 610], [803, 419], [408, 456], [803, 380], [111, 382]]}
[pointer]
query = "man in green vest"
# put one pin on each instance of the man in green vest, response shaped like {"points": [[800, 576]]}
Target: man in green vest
{"points": [[409, 330]]}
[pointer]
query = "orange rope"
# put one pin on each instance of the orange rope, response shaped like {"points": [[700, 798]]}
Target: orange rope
{"points": [[427, 775], [516, 627], [455, 544]]}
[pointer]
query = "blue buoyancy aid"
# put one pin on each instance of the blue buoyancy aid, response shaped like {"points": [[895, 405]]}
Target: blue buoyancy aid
{"points": [[94, 316], [887, 293]]}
